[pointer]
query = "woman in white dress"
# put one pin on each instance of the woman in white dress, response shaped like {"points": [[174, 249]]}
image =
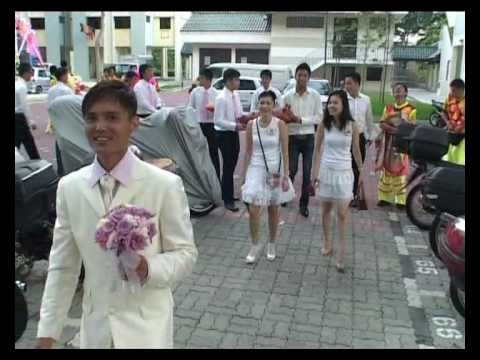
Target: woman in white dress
{"points": [[266, 181], [334, 174]]}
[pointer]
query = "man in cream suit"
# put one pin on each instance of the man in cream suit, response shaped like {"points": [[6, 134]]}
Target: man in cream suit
{"points": [[139, 320]]}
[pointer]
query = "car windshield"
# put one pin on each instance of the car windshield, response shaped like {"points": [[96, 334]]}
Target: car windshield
{"points": [[321, 87]]}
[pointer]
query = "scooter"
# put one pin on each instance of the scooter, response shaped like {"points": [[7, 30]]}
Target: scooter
{"points": [[451, 249], [445, 190], [35, 193], [435, 119]]}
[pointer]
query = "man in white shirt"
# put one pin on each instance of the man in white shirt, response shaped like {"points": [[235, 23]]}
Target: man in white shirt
{"points": [[229, 120], [361, 110], [23, 119], [266, 79], [304, 107], [202, 99], [60, 89], [147, 97]]}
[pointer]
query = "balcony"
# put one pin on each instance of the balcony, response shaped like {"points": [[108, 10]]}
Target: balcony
{"points": [[349, 54]]}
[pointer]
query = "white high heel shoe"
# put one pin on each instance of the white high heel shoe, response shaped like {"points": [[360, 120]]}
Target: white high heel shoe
{"points": [[271, 251], [253, 254]]}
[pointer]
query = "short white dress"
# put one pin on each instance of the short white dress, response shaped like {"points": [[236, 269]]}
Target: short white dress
{"points": [[256, 191], [336, 174]]}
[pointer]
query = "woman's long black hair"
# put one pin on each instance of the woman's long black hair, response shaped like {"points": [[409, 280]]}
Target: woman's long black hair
{"points": [[345, 116]]}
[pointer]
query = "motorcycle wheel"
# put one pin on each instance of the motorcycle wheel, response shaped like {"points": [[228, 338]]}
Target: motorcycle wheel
{"points": [[202, 211], [435, 230], [416, 212], [21, 313], [458, 299], [433, 119]]}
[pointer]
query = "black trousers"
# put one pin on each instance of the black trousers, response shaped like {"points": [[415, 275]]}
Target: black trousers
{"points": [[356, 171], [24, 136], [229, 144], [209, 132], [301, 144], [60, 170]]}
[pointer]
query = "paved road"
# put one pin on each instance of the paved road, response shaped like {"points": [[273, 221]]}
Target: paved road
{"points": [[393, 294]]}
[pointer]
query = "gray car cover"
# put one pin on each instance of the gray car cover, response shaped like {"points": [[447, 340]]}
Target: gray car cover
{"points": [[168, 133]]}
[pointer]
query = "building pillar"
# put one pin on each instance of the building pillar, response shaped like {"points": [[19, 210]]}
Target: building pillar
{"points": [[109, 39], [138, 38], [54, 30], [233, 56], [80, 61]]}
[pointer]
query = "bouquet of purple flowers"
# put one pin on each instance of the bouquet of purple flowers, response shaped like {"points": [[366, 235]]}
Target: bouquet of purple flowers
{"points": [[125, 230]]}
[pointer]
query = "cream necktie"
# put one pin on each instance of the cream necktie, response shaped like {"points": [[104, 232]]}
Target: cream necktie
{"points": [[107, 184]]}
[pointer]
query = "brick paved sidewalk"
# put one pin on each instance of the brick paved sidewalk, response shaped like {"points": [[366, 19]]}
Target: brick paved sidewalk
{"points": [[394, 293]]}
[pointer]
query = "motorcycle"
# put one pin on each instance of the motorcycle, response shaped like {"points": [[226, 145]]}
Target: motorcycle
{"points": [[451, 249], [445, 190], [435, 119], [21, 309], [35, 193], [421, 208]]}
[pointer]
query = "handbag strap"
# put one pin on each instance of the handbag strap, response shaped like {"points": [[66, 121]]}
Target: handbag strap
{"points": [[263, 152]]}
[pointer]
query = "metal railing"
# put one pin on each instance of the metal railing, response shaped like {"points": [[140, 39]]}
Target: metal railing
{"points": [[369, 55]]}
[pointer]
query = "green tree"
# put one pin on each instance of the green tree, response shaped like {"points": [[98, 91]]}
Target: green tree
{"points": [[433, 30], [417, 23]]}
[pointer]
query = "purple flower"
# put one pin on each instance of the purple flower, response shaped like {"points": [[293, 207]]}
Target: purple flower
{"points": [[101, 237], [125, 225], [136, 241], [108, 226]]}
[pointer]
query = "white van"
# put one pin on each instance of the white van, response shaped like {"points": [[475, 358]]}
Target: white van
{"points": [[281, 74]]}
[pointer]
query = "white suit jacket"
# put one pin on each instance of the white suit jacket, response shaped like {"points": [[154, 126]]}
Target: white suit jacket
{"points": [[140, 320]]}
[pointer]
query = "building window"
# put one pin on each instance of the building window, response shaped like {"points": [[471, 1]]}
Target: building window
{"points": [[148, 19], [374, 73], [448, 70], [165, 23], [61, 19], [94, 22], [378, 23], [305, 22], [122, 22], [38, 23]]}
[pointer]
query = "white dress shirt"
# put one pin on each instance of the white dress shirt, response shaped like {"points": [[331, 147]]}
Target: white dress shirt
{"points": [[60, 89], [21, 105], [254, 102], [308, 106], [227, 110], [197, 101], [361, 110], [147, 98]]}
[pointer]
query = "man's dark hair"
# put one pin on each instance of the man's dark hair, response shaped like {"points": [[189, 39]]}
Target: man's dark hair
{"points": [[130, 74], [53, 71], [303, 66], [355, 76], [400, 84], [345, 116], [268, 93], [230, 74], [63, 63], [266, 72], [113, 90], [143, 69], [458, 83], [61, 72], [24, 68], [207, 74]]}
